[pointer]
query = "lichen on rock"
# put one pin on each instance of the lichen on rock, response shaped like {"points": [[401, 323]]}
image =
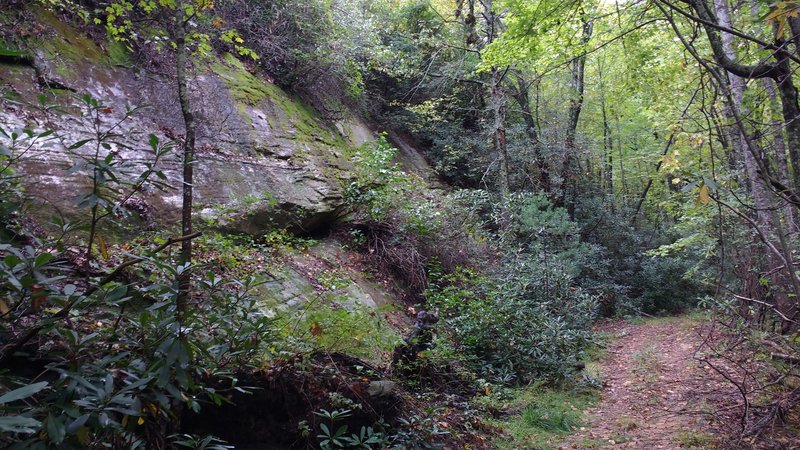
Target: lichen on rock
{"points": [[254, 140]]}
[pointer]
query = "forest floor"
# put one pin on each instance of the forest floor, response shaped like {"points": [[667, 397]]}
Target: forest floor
{"points": [[655, 394], [653, 388]]}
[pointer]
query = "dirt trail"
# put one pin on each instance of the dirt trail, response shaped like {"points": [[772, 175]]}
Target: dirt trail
{"points": [[649, 399]]}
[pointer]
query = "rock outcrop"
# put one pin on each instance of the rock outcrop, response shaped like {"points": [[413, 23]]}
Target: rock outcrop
{"points": [[265, 159]]}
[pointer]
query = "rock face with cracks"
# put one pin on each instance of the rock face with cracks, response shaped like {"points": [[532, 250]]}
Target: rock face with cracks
{"points": [[264, 159]]}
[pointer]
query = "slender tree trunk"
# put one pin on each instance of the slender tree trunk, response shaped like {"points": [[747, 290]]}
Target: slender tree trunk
{"points": [[497, 100], [188, 157], [578, 87], [782, 165], [667, 146], [522, 98], [573, 116], [621, 161], [791, 115], [608, 152], [497, 103]]}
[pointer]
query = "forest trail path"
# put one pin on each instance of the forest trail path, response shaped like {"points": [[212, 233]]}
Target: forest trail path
{"points": [[650, 398]]}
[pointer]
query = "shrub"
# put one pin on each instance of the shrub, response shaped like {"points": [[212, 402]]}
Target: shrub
{"points": [[316, 47], [665, 287], [101, 324], [402, 227], [527, 324]]}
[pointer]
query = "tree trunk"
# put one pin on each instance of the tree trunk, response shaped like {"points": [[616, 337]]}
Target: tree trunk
{"points": [[578, 87], [608, 152], [758, 186], [188, 157], [782, 165], [573, 116], [522, 98], [497, 100], [621, 163], [780, 71], [791, 115]]}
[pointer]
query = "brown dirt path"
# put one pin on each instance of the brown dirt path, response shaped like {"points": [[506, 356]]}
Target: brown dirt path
{"points": [[651, 383]]}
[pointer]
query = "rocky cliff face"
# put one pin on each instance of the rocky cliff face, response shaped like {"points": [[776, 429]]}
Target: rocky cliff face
{"points": [[265, 159]]}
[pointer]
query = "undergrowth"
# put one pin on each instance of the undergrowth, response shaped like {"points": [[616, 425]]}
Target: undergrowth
{"points": [[538, 416]]}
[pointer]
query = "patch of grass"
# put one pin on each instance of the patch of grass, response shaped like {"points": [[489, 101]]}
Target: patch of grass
{"points": [[551, 418], [118, 53], [324, 324], [646, 361], [598, 349], [689, 319], [592, 443], [627, 423], [696, 440], [543, 415], [620, 438]]}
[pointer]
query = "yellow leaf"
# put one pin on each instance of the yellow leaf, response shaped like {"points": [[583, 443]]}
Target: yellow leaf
{"points": [[101, 244], [153, 408], [703, 196], [4, 308], [83, 436], [140, 421], [676, 181]]}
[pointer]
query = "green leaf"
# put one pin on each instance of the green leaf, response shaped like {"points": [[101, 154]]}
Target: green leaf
{"points": [[56, 430], [42, 259], [77, 423], [78, 144], [153, 140], [10, 53], [19, 424], [23, 392], [117, 293]]}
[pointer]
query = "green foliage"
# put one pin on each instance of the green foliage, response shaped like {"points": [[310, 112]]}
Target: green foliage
{"points": [[366, 439], [546, 414], [17, 423], [317, 46], [331, 323], [525, 318], [652, 270], [666, 286], [15, 143], [379, 187], [513, 328], [552, 418], [123, 354], [403, 227]]}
